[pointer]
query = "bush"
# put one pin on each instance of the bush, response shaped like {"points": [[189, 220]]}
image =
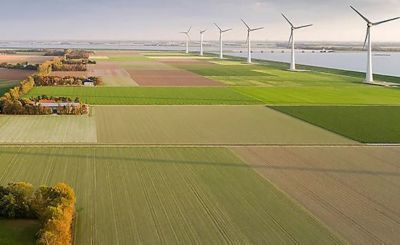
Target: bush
{"points": [[53, 206], [15, 200]]}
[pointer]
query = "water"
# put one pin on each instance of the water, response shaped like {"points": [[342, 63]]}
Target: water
{"points": [[384, 63]]}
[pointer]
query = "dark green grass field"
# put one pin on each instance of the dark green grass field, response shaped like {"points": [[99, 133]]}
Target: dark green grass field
{"points": [[354, 95], [18, 232], [360, 76], [6, 85], [149, 95], [366, 124]]}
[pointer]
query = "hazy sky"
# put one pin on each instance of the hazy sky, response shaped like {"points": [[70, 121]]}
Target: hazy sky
{"points": [[163, 19]]}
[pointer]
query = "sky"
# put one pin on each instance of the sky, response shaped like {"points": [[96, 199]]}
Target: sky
{"points": [[164, 19]]}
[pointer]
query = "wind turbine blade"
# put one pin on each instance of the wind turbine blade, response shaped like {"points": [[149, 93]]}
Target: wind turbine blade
{"points": [[290, 39], [362, 16], [227, 30], [219, 28], [290, 23], [248, 27], [300, 27], [381, 22], [189, 29], [256, 29], [248, 37], [366, 37]]}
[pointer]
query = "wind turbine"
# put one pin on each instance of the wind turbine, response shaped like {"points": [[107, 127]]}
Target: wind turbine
{"points": [[249, 30], [221, 54], [201, 42], [187, 39], [369, 76], [292, 42]]}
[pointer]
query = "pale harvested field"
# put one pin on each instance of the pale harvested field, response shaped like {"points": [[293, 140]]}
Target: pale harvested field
{"points": [[205, 125], [14, 74], [145, 65], [47, 129], [354, 190], [14, 59], [113, 74], [170, 78], [184, 61]]}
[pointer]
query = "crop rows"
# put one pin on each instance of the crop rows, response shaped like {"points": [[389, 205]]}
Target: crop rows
{"points": [[168, 195]]}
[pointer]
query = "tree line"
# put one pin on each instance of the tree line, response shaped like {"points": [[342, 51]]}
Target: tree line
{"points": [[65, 81], [19, 66], [54, 207]]}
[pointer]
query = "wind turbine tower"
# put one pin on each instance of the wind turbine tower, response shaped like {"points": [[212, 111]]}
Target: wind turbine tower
{"points": [[201, 42], [221, 45], [249, 30], [187, 34], [292, 41], [368, 42]]}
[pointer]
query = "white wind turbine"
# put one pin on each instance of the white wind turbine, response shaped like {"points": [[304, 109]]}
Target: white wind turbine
{"points": [[201, 42], [369, 76], [249, 30], [292, 42], [221, 53], [187, 39]]}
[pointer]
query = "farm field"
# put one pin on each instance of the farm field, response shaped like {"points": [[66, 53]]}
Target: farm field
{"points": [[168, 195], [33, 59], [5, 85], [183, 149], [170, 78], [355, 95], [47, 129], [354, 190], [367, 124], [17, 232], [205, 125], [149, 95], [14, 74]]}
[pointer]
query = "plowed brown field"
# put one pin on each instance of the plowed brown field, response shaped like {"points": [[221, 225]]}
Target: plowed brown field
{"points": [[354, 190], [13, 74], [170, 78]]}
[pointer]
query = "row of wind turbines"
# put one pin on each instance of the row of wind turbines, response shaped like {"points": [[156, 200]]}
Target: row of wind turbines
{"points": [[367, 43]]}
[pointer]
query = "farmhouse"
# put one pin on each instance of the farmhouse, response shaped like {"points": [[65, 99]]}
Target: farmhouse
{"points": [[88, 83], [56, 105]]}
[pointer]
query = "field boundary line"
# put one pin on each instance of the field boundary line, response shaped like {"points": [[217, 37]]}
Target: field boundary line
{"points": [[85, 145]]}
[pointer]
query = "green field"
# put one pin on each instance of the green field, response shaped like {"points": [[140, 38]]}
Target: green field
{"points": [[236, 73], [6, 85], [355, 95], [367, 124], [18, 232], [205, 125], [168, 195], [148, 95]]}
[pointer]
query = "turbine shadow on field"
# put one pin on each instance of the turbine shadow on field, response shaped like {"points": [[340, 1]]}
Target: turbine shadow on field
{"points": [[205, 163]]}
